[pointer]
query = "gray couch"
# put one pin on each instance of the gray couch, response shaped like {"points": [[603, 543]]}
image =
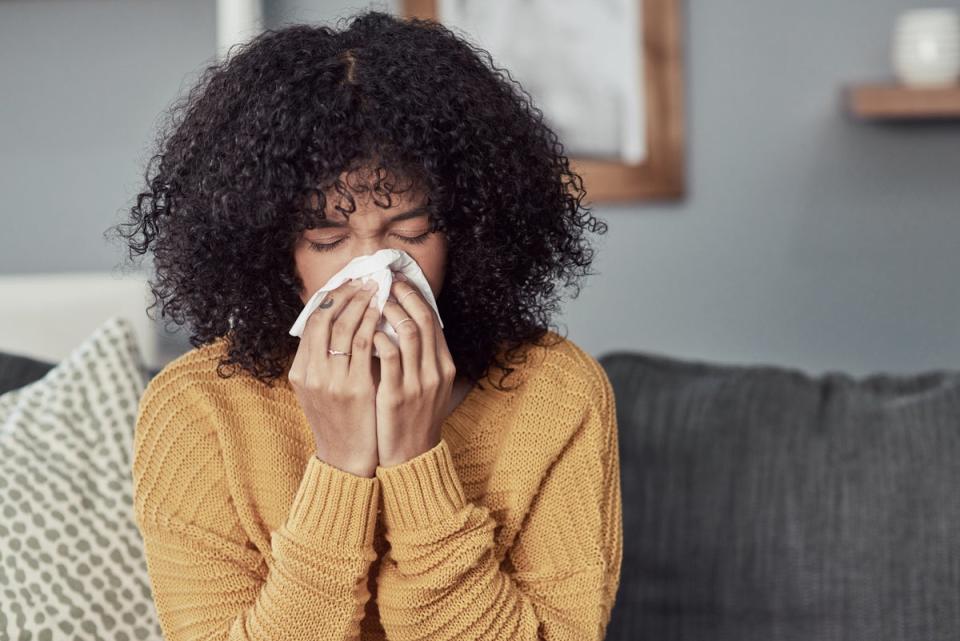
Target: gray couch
{"points": [[763, 504]]}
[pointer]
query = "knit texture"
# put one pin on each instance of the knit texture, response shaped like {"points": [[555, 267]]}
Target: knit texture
{"points": [[509, 528]]}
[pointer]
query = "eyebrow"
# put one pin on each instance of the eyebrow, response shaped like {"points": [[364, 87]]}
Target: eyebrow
{"points": [[413, 213]]}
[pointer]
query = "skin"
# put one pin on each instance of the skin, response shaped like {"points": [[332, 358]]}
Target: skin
{"points": [[415, 391]]}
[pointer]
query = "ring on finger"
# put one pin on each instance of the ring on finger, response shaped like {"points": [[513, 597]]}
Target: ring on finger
{"points": [[402, 322], [337, 352], [412, 291]]}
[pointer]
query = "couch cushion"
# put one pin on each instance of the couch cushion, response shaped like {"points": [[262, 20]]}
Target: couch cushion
{"points": [[762, 503], [73, 563], [17, 370]]}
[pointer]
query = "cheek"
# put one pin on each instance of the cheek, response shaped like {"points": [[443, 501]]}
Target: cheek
{"points": [[314, 270], [432, 261]]}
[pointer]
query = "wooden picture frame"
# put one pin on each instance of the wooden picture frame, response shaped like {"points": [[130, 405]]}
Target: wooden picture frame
{"points": [[661, 175]]}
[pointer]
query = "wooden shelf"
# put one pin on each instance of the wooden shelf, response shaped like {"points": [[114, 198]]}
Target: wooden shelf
{"points": [[894, 101]]}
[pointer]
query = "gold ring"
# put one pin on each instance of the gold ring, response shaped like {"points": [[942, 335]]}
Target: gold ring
{"points": [[402, 322]]}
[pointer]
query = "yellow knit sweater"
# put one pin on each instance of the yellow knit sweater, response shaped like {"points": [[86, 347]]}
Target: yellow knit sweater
{"points": [[510, 528]]}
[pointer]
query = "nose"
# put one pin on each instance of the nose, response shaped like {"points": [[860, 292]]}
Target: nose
{"points": [[370, 244]]}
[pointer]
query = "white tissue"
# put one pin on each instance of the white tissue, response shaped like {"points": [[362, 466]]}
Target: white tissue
{"points": [[380, 267]]}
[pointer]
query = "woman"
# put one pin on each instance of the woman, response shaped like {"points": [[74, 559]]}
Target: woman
{"points": [[465, 484]]}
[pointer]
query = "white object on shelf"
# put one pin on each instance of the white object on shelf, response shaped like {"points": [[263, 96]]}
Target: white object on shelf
{"points": [[926, 47]]}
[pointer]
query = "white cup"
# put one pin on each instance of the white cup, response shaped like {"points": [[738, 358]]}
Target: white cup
{"points": [[926, 47]]}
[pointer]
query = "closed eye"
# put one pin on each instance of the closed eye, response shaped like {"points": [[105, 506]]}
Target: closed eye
{"points": [[416, 240]]}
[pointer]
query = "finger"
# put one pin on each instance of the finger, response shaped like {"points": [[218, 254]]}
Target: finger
{"points": [[345, 328], [391, 373], [300, 358], [413, 304], [443, 350], [361, 363], [317, 330], [409, 338]]}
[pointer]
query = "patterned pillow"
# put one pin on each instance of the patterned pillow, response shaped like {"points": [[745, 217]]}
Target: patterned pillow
{"points": [[71, 557]]}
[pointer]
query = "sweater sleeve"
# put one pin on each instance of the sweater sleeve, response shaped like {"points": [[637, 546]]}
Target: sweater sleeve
{"points": [[441, 580], [208, 580]]}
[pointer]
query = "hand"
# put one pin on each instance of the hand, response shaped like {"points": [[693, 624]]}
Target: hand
{"points": [[416, 378], [337, 393]]}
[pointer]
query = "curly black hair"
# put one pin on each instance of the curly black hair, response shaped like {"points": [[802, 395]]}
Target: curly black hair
{"points": [[406, 100]]}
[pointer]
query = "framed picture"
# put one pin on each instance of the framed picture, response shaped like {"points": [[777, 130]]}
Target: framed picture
{"points": [[607, 75]]}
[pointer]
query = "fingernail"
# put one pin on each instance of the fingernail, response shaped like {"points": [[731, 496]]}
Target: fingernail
{"points": [[354, 283], [370, 284], [373, 301], [400, 276]]}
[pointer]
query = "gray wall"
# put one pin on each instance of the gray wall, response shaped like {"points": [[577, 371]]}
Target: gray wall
{"points": [[83, 83], [807, 239]]}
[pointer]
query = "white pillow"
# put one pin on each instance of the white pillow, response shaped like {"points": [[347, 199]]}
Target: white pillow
{"points": [[71, 556]]}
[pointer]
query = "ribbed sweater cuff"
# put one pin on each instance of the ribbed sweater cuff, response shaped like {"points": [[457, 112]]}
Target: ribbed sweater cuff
{"points": [[333, 506], [421, 491]]}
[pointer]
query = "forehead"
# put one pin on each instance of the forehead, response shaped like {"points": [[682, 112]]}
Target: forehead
{"points": [[373, 193], [365, 209], [368, 190], [364, 204]]}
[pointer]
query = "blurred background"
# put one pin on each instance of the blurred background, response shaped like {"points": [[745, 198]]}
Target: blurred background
{"points": [[807, 237], [816, 227]]}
